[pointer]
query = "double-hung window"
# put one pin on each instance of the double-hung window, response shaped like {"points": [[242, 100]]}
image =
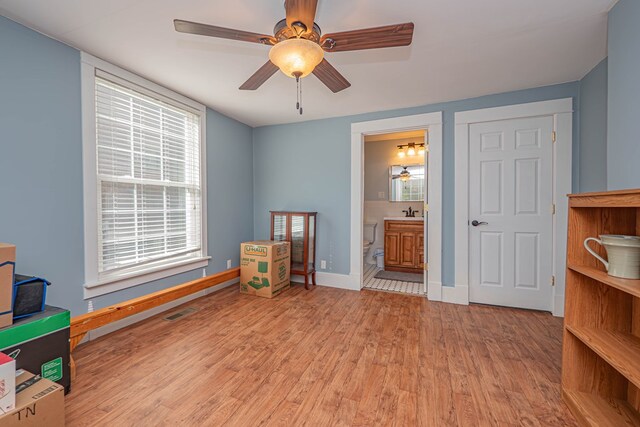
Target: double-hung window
{"points": [[145, 167]]}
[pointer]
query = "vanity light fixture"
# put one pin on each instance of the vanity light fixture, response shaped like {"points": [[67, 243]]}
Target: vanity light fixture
{"points": [[410, 150]]}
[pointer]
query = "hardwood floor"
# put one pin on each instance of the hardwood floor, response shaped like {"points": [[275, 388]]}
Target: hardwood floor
{"points": [[325, 357]]}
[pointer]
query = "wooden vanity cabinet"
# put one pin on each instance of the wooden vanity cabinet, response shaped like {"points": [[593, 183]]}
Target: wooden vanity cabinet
{"points": [[404, 246]]}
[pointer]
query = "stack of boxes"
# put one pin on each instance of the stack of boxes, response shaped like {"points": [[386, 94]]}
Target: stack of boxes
{"points": [[37, 342]]}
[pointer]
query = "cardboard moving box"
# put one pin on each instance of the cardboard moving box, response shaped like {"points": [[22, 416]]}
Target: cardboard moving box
{"points": [[7, 383], [40, 344], [7, 270], [39, 402], [265, 268]]}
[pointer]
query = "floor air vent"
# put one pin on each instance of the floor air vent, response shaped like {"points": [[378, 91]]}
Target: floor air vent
{"points": [[180, 314]]}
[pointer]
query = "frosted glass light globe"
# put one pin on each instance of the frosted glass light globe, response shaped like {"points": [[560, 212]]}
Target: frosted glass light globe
{"points": [[296, 56]]}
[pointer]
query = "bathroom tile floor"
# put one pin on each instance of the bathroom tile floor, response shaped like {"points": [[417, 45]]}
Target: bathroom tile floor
{"points": [[370, 282]]}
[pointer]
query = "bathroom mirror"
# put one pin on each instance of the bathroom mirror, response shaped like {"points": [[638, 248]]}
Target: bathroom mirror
{"points": [[406, 183]]}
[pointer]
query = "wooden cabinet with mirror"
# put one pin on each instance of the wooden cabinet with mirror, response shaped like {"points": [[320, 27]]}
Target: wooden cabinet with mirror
{"points": [[298, 228]]}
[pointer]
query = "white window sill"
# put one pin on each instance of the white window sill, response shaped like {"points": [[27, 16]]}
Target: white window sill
{"points": [[114, 284]]}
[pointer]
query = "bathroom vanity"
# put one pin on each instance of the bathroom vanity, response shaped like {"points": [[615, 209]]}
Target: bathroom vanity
{"points": [[404, 244]]}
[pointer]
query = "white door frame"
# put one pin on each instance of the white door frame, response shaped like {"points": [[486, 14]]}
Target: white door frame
{"points": [[562, 112], [432, 123]]}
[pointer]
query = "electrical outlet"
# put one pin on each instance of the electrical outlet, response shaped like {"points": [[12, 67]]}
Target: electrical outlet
{"points": [[381, 195], [323, 264], [228, 263]]}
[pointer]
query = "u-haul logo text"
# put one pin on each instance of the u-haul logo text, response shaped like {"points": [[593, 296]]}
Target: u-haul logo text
{"points": [[255, 250]]}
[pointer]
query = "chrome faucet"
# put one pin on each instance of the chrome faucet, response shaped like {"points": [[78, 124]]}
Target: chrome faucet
{"points": [[410, 213]]}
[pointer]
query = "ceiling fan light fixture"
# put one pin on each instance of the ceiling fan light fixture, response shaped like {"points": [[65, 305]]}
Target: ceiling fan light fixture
{"points": [[296, 57], [405, 175]]}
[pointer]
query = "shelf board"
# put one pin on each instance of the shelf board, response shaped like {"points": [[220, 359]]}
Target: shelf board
{"points": [[618, 349], [593, 410], [632, 287], [609, 199]]}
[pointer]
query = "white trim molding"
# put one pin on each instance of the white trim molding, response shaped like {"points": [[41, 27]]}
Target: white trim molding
{"points": [[331, 280], [562, 112], [458, 294], [432, 124]]}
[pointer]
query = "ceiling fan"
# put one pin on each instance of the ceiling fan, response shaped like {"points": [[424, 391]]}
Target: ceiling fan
{"points": [[404, 176], [298, 46]]}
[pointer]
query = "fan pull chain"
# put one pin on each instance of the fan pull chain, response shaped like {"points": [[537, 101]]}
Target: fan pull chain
{"points": [[298, 93], [300, 97]]}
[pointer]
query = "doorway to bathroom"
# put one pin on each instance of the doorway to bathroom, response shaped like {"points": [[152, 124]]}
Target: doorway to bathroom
{"points": [[431, 125], [395, 211]]}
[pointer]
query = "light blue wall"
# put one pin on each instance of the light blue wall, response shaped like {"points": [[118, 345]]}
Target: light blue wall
{"points": [[299, 166], [306, 166], [593, 129], [41, 207], [623, 150]]}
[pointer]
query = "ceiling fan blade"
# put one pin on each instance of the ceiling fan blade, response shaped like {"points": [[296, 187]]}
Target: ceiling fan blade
{"points": [[301, 11], [221, 32], [330, 77], [260, 76], [369, 38]]}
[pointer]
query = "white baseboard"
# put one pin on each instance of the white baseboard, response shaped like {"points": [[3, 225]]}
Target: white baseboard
{"points": [[449, 294], [434, 291], [457, 294], [558, 305], [332, 280], [112, 327]]}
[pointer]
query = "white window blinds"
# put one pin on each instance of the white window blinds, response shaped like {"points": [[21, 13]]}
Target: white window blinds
{"points": [[148, 179]]}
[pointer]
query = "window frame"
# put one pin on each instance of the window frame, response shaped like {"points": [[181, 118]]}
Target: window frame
{"points": [[94, 285]]}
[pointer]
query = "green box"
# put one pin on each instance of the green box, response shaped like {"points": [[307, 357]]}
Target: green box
{"points": [[40, 344]]}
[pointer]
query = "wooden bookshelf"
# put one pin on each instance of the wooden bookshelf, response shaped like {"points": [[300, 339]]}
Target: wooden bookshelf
{"points": [[631, 287], [595, 411], [620, 350], [601, 348]]}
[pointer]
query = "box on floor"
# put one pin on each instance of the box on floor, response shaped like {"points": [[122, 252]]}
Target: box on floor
{"points": [[40, 344], [7, 270], [39, 402], [7, 383], [265, 268]]}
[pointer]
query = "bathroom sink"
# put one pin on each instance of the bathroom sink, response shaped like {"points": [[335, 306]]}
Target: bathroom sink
{"points": [[403, 218]]}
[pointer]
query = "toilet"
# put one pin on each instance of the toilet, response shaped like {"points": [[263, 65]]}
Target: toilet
{"points": [[368, 238]]}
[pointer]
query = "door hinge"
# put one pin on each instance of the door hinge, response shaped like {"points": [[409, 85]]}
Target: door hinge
{"points": [[553, 209], [553, 280], [553, 136], [426, 207]]}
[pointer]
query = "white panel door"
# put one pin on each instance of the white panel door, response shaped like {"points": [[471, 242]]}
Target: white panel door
{"points": [[510, 213]]}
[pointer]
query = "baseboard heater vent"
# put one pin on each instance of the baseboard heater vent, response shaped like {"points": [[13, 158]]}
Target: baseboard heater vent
{"points": [[180, 314]]}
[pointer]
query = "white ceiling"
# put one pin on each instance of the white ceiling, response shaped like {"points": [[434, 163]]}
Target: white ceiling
{"points": [[461, 49]]}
